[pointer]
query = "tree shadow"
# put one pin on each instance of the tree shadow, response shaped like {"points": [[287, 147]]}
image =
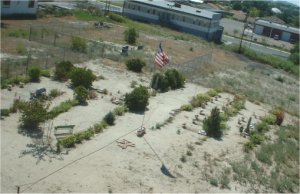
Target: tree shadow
{"points": [[140, 112], [33, 133], [41, 151]]}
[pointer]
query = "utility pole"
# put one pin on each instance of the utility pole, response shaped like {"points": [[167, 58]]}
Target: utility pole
{"points": [[245, 26]]}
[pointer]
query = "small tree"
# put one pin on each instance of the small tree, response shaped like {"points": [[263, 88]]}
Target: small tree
{"points": [[131, 35], [81, 94], [294, 57], [212, 124], [109, 118], [33, 114], [137, 100], [34, 74], [135, 65], [82, 77], [159, 82], [62, 70], [78, 44]]}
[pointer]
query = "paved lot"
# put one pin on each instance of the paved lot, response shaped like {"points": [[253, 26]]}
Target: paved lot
{"points": [[231, 25]]}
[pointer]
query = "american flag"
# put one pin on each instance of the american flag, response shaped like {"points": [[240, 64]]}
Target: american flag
{"points": [[161, 58]]}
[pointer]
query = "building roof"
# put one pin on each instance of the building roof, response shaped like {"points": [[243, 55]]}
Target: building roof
{"points": [[277, 26], [273, 19], [183, 8]]}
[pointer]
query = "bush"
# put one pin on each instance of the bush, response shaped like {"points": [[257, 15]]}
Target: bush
{"points": [[78, 44], [198, 100], [212, 124], [120, 110], [183, 158], [109, 118], [135, 65], [68, 142], [213, 182], [248, 146], [264, 154], [61, 108], [5, 112], [270, 119], [14, 80], [137, 100], [171, 78], [45, 73], [262, 127], [21, 49], [62, 70], [34, 74], [279, 114], [212, 93], [82, 77], [175, 79], [159, 82], [98, 128], [131, 35], [256, 138], [116, 18], [33, 114], [186, 107], [55, 92], [81, 94]]}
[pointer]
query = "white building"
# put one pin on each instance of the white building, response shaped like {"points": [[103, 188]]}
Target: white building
{"points": [[19, 8], [184, 18]]}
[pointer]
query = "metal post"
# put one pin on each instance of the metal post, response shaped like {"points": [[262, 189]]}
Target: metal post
{"points": [[245, 25], [30, 32], [18, 189]]}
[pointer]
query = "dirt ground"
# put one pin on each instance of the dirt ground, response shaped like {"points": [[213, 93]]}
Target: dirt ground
{"points": [[105, 166]]}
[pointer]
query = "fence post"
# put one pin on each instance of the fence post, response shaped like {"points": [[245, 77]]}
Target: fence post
{"points": [[54, 42], [18, 189], [28, 59], [30, 32]]}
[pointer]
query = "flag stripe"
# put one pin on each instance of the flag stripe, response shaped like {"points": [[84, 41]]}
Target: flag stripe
{"points": [[161, 58]]}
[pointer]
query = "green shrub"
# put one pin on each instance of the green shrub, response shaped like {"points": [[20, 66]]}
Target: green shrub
{"points": [[45, 73], [78, 137], [264, 154], [189, 153], [21, 49], [104, 124], [81, 94], [61, 108], [120, 110], [87, 134], [82, 77], [33, 114], [116, 18], [262, 127], [256, 138], [78, 44], [137, 100], [183, 158], [55, 93], [224, 181], [131, 35], [248, 146], [212, 93], [18, 105], [135, 65], [34, 74], [5, 112], [159, 82], [68, 142], [170, 79], [98, 128], [270, 119], [212, 124], [198, 100], [186, 107], [62, 70], [14, 80], [109, 118], [175, 79], [213, 182]]}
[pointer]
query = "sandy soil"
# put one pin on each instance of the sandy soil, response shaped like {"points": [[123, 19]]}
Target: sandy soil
{"points": [[135, 169]]}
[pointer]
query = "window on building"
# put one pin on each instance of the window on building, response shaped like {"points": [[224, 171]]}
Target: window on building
{"points": [[153, 11], [6, 3], [133, 7], [183, 18], [31, 3], [148, 11], [172, 16], [139, 8]]}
